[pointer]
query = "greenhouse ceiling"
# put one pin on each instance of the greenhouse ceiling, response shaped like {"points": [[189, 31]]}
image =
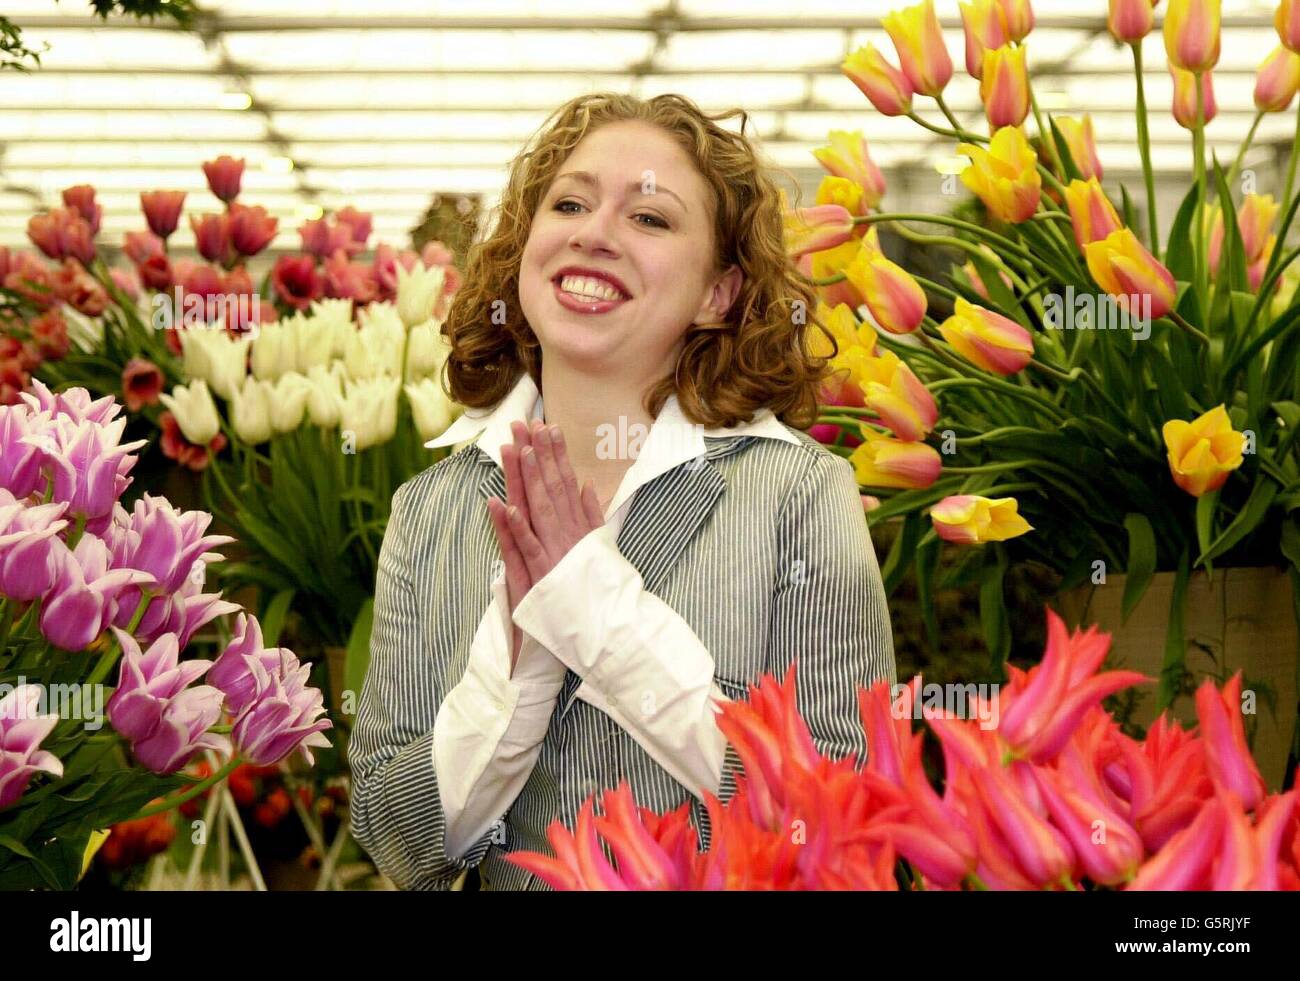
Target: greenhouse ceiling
{"points": [[382, 103]]}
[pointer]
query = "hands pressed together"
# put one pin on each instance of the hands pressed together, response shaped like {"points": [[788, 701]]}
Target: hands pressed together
{"points": [[545, 513]]}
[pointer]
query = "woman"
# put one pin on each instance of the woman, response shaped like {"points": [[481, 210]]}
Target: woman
{"points": [[669, 532]]}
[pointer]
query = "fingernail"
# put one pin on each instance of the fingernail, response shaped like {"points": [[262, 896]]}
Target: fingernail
{"points": [[527, 453], [556, 434], [514, 512]]}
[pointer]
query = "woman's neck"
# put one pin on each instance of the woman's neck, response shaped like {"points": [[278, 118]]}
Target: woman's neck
{"points": [[599, 416]]}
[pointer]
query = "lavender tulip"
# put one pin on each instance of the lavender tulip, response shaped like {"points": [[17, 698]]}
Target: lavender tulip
{"points": [[75, 404], [21, 732], [27, 548], [182, 731], [232, 672], [84, 597], [146, 682], [283, 714], [167, 543], [88, 464], [20, 458]]}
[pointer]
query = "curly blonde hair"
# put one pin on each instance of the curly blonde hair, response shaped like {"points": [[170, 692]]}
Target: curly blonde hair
{"points": [[760, 356]]}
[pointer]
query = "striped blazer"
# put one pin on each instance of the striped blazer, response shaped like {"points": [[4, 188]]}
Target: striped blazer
{"points": [[763, 550]]}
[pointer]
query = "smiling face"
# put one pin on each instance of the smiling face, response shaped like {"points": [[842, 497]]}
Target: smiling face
{"points": [[627, 204]]}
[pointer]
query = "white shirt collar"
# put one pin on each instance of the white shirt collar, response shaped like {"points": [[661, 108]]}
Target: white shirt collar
{"points": [[671, 441]]}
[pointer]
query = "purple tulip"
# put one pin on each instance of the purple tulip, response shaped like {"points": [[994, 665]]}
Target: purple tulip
{"points": [[283, 714], [182, 731], [21, 732], [232, 672], [75, 404], [20, 459], [167, 543], [88, 463], [27, 548], [146, 682], [84, 597]]}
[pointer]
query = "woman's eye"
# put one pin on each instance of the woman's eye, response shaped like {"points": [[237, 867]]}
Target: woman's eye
{"points": [[655, 219]]}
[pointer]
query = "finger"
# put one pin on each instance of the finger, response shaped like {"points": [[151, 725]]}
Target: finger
{"points": [[518, 580], [570, 520], [535, 555], [542, 515], [514, 476], [569, 480], [591, 506]]}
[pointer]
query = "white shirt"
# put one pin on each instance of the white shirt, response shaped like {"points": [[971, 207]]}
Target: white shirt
{"points": [[489, 729]]}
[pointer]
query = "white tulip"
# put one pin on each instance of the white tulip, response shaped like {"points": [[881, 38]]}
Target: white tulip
{"points": [[417, 291], [427, 350], [216, 358], [432, 409], [195, 412], [325, 400], [315, 340], [288, 401], [369, 410], [275, 350], [375, 349], [250, 411]]}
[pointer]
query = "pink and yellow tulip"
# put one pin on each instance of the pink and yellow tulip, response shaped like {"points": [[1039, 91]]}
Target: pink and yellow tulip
{"points": [[1277, 80], [882, 461], [896, 301], [1004, 86], [1092, 215], [1005, 176], [1082, 143], [1123, 267], [885, 86], [919, 42], [987, 339], [1287, 21], [893, 392], [1204, 451], [985, 27], [1129, 21], [1019, 17], [1184, 104], [847, 155], [816, 229], [973, 520], [1192, 34]]}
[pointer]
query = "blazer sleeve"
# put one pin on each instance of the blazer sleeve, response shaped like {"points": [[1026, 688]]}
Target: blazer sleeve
{"points": [[829, 611], [397, 814]]}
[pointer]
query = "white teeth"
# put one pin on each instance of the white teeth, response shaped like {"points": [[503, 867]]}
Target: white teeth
{"points": [[589, 288]]}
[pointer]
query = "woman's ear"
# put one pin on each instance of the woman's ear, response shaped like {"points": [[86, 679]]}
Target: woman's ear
{"points": [[725, 290]]}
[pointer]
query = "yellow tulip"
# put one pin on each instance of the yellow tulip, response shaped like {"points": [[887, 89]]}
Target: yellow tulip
{"points": [[1204, 451], [1277, 80], [987, 339], [848, 156], [1082, 141], [985, 27], [1005, 176], [1004, 86], [883, 461], [1192, 34], [884, 85], [896, 301], [919, 42]]}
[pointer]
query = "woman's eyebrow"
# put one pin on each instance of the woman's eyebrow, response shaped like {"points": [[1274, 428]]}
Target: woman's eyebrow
{"points": [[586, 177]]}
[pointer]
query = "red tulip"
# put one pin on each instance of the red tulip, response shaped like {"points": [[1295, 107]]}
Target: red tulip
{"points": [[50, 332], [142, 383], [347, 280], [1184, 863], [162, 210], [62, 232], [224, 176], [211, 236], [1227, 756], [81, 199], [296, 281], [359, 224], [251, 229]]}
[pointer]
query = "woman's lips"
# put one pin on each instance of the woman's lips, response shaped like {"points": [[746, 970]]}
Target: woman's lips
{"points": [[571, 302]]}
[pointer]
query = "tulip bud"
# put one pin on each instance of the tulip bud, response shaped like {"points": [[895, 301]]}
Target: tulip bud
{"points": [[1019, 16], [1185, 98], [919, 42], [884, 85], [892, 391], [816, 229], [1254, 220], [1192, 34], [986, 28], [1287, 22], [1091, 213], [1203, 452], [973, 520], [224, 177], [1082, 143], [1277, 80], [896, 301], [162, 210], [1005, 176], [1129, 21], [882, 461], [1004, 87], [987, 339], [1123, 267]]}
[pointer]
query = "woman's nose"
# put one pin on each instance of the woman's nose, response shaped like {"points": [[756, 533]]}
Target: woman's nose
{"points": [[595, 233]]}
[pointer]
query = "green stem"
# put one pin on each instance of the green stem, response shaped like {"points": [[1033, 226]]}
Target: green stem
{"points": [[1295, 152], [1144, 146], [1245, 145], [1046, 135], [110, 656], [1177, 318], [191, 792], [966, 226]]}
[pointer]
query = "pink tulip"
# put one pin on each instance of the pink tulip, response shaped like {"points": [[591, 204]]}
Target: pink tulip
{"points": [[27, 548], [346, 280], [224, 177], [62, 232], [88, 465], [232, 673], [358, 223], [182, 731], [83, 599], [884, 85], [146, 682], [1129, 21], [283, 714], [320, 238], [20, 459], [168, 544], [816, 229], [1184, 862], [211, 236], [22, 729], [1277, 80], [297, 281], [75, 404], [251, 229], [1184, 105], [162, 210], [1075, 808], [1227, 754]]}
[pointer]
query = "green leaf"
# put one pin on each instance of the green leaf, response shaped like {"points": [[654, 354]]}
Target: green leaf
{"points": [[18, 848], [900, 553], [1178, 256], [1206, 506], [273, 618], [1129, 213], [927, 559], [358, 654], [1248, 518], [993, 607], [1232, 255], [1141, 561], [1072, 172]]}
